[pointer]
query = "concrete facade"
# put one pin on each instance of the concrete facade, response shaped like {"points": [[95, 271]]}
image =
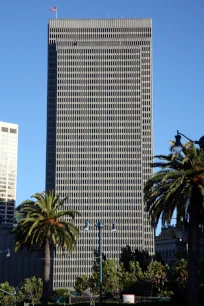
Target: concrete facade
{"points": [[172, 243], [99, 133]]}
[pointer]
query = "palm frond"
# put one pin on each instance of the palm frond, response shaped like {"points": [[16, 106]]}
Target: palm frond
{"points": [[42, 220], [69, 213], [170, 188]]}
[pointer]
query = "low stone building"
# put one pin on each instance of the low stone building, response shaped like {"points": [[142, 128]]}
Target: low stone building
{"points": [[173, 243]]}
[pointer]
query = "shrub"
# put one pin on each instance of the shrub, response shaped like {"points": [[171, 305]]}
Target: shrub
{"points": [[60, 292], [30, 290], [166, 293], [6, 299]]}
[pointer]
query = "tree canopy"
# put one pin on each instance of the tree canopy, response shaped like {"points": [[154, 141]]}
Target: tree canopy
{"points": [[44, 220], [178, 186]]}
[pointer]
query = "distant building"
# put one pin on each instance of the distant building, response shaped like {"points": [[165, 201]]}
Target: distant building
{"points": [[173, 243], [19, 265], [8, 170]]}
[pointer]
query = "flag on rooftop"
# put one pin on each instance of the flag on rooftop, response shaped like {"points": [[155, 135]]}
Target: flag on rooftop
{"points": [[53, 9]]}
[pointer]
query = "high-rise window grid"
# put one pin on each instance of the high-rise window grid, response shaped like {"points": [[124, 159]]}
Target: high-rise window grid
{"points": [[8, 170], [100, 133]]}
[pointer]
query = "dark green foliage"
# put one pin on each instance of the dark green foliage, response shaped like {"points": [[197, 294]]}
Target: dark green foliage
{"points": [[96, 255], [172, 187], [156, 275], [126, 257], [178, 186], [95, 267], [5, 299], [81, 284], [181, 273], [61, 291], [143, 258], [30, 290]]}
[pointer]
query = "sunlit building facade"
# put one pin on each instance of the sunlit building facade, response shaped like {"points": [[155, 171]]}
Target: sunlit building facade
{"points": [[99, 133], [8, 170]]}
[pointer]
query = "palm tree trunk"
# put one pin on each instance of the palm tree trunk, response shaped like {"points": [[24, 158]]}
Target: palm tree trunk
{"points": [[193, 254], [46, 276]]}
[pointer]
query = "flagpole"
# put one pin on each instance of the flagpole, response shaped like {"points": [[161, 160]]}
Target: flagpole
{"points": [[56, 13]]}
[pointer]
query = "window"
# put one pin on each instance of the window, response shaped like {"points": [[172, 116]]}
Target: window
{"points": [[14, 131], [4, 129]]}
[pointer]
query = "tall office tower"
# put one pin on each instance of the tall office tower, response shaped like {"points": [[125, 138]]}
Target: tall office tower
{"points": [[8, 170], [99, 133]]}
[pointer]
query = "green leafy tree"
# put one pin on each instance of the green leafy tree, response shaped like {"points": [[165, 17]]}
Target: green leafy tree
{"points": [[93, 286], [181, 270], [93, 283], [156, 274], [96, 256], [81, 284], [6, 299], [178, 187], [42, 222], [116, 278], [143, 258], [126, 257], [95, 266], [61, 292], [111, 278], [132, 277], [31, 290], [62, 296]]}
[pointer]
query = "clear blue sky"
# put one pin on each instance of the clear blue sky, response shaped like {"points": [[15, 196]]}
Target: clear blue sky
{"points": [[178, 71]]}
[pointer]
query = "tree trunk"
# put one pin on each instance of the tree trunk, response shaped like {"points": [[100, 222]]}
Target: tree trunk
{"points": [[46, 275], [193, 254]]}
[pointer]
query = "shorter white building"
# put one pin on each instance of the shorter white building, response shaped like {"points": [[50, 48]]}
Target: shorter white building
{"points": [[8, 170]]}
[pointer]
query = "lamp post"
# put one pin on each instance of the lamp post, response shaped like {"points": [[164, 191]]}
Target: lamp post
{"points": [[178, 145], [99, 226], [8, 254], [7, 251]]}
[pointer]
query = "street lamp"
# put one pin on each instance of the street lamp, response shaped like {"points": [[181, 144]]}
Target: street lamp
{"points": [[99, 226], [86, 226], [178, 145], [113, 230], [7, 251]]}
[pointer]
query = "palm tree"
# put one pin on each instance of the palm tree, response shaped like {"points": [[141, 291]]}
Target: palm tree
{"points": [[178, 187], [42, 223]]}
